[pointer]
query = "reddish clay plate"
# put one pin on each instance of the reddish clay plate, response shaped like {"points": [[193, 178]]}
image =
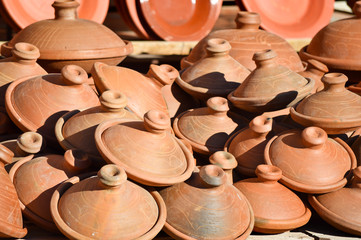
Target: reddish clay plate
{"points": [[292, 18], [179, 20], [23, 13]]}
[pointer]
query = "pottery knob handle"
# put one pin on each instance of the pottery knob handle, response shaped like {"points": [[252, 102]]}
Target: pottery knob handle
{"points": [[334, 82], [314, 137], [265, 58], [223, 159], [261, 124], [113, 101], [268, 173], [217, 46], [65, 9], [25, 51], [112, 176], [165, 74], [218, 105], [248, 20], [30, 142], [156, 121], [212, 175], [74, 75], [6, 155], [76, 159], [357, 9]]}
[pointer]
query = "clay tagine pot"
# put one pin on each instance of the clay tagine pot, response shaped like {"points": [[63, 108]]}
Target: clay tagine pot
{"points": [[217, 74], [310, 161], [11, 223], [68, 40], [245, 41], [207, 129], [36, 103], [21, 64], [284, 210], [75, 129], [36, 179], [341, 208], [147, 150], [226, 161], [107, 206], [334, 109], [143, 91], [315, 70], [270, 86], [214, 208], [248, 144]]}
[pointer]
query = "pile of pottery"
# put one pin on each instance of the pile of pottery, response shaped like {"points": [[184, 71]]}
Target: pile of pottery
{"points": [[124, 155]]}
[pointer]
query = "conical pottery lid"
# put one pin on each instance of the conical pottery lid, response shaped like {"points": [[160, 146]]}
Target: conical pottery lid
{"points": [[341, 208], [245, 41], [336, 44], [147, 150], [107, 206], [36, 179], [213, 208], [217, 74], [36, 103], [283, 211], [310, 161], [335, 109], [270, 86], [207, 129], [76, 129], [143, 91]]}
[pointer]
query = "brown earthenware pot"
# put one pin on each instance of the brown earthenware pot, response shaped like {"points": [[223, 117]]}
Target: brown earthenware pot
{"points": [[270, 86], [213, 208], [226, 161], [344, 115], [310, 161], [36, 103], [144, 92], [68, 40], [147, 150], [315, 70], [245, 41], [217, 74], [107, 206], [284, 210], [36, 179]]}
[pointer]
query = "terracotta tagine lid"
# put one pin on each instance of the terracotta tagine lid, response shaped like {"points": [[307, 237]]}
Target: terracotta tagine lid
{"points": [[217, 74], [36, 179], [248, 144], [284, 210], [76, 129], [226, 161], [315, 110], [245, 41], [107, 206], [336, 45], [36, 103], [147, 150], [310, 161], [270, 86], [21, 64], [69, 40], [341, 208], [207, 129], [315, 70], [11, 220], [143, 91], [214, 208]]}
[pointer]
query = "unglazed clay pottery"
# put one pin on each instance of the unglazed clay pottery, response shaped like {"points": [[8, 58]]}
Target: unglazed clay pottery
{"points": [[207, 129], [36, 103], [11, 220], [75, 129], [143, 91], [107, 206], [315, 70], [341, 208], [147, 150], [270, 86], [310, 161], [355, 88], [245, 41], [69, 40], [226, 161], [217, 74], [21, 64], [248, 144], [36, 179], [283, 211], [207, 207], [334, 109]]}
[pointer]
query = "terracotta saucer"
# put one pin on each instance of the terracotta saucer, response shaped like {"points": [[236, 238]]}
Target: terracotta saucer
{"points": [[179, 20]]}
